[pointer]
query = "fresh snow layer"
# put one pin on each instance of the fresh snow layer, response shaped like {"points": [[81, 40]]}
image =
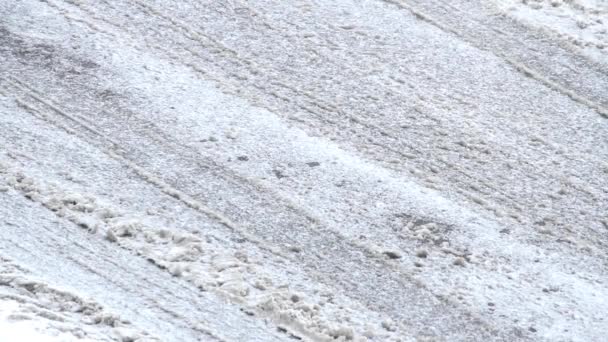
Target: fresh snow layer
{"points": [[279, 171]]}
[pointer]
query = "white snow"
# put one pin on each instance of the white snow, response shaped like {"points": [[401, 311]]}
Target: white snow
{"points": [[217, 172], [581, 23], [26, 329]]}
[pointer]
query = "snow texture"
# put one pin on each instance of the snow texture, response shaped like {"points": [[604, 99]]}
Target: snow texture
{"points": [[378, 170]]}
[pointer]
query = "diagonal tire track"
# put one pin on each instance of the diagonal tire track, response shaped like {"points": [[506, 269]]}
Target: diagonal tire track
{"points": [[325, 253]]}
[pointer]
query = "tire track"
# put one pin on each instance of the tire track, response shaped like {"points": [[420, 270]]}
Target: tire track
{"points": [[80, 208], [223, 193], [29, 190], [461, 173], [573, 90], [359, 258], [468, 174], [159, 293], [178, 320], [188, 158], [516, 216]]}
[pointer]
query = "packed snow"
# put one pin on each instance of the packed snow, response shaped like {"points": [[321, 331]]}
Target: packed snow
{"points": [[378, 170]]}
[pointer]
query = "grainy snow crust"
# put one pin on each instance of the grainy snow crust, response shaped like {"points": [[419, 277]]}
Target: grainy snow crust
{"points": [[581, 23], [303, 170]]}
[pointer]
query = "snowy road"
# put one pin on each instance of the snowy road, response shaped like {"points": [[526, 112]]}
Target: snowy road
{"points": [[301, 170]]}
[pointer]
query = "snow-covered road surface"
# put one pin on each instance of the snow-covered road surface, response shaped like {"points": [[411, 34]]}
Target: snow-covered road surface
{"points": [[300, 170]]}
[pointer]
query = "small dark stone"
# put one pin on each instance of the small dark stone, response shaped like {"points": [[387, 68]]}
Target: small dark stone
{"points": [[532, 329], [459, 261], [313, 164], [279, 174], [295, 249], [422, 253], [392, 255], [242, 158], [247, 312]]}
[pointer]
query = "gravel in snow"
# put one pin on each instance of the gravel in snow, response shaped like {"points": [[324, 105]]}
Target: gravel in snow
{"points": [[303, 170]]}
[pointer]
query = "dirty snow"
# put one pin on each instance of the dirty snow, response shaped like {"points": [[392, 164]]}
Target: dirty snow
{"points": [[303, 170]]}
